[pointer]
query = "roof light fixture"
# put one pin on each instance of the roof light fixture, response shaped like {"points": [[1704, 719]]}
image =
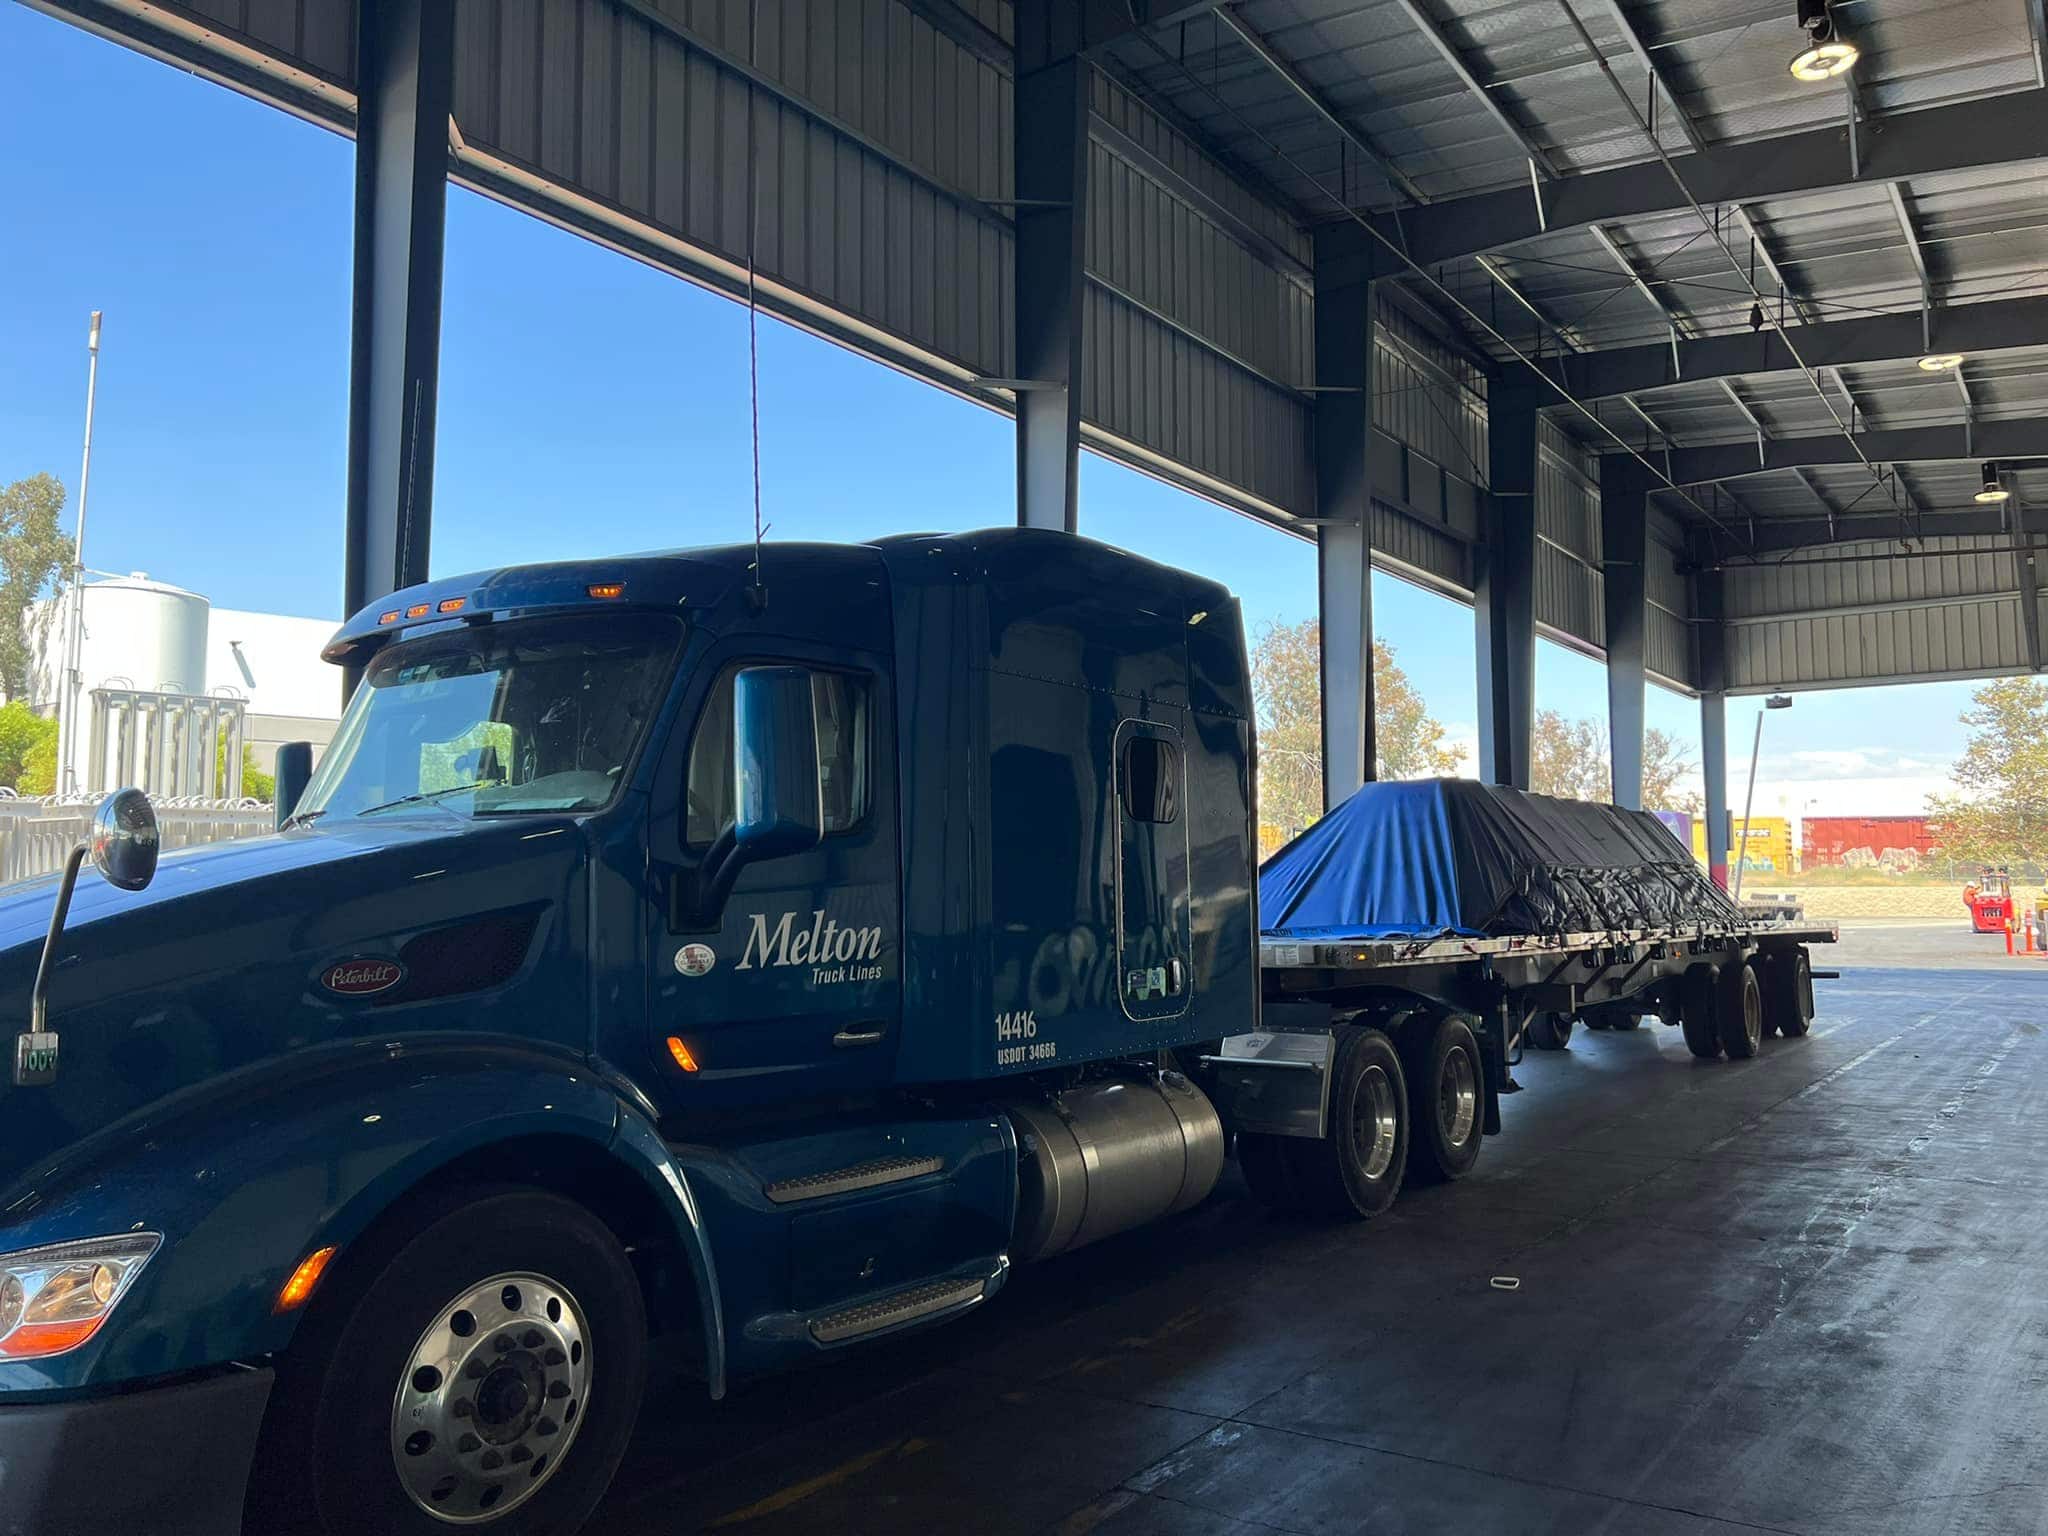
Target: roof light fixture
{"points": [[1941, 362], [1994, 489], [1826, 55]]}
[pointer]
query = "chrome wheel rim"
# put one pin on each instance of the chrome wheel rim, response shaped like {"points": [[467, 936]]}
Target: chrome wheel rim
{"points": [[1374, 1123], [1457, 1098], [490, 1398]]}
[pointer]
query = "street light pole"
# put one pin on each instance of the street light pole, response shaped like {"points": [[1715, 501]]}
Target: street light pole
{"points": [[1775, 701], [74, 618]]}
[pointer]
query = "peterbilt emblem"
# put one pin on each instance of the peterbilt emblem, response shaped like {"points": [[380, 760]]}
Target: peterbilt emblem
{"points": [[362, 978]]}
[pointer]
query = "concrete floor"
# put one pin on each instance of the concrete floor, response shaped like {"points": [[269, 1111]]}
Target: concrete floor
{"points": [[1804, 1293]]}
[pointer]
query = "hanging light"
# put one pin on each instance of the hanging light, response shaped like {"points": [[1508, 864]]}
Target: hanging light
{"points": [[1994, 490], [1941, 362], [1826, 55]]}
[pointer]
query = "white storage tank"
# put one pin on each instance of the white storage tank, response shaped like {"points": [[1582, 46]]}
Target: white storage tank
{"points": [[139, 634]]}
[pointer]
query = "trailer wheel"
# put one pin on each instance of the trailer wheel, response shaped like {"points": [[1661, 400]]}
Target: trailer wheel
{"points": [[1788, 994], [1739, 1016], [1697, 1013], [1355, 1170], [1610, 1016], [479, 1361], [1550, 1031], [1446, 1100], [1624, 1018]]}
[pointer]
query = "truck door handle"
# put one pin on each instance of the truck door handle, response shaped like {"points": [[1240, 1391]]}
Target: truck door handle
{"points": [[859, 1035], [1176, 976]]}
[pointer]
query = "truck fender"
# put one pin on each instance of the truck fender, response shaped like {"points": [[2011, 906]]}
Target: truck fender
{"points": [[306, 1151]]}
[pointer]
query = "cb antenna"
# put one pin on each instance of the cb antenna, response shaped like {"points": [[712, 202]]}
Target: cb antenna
{"points": [[757, 593]]}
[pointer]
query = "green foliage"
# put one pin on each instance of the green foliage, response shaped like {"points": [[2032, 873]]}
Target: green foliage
{"points": [[21, 731], [39, 765], [34, 554], [1571, 760], [2000, 815], [256, 784], [1408, 742]]}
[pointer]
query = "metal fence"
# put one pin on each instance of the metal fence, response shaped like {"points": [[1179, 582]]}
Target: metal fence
{"points": [[37, 835]]}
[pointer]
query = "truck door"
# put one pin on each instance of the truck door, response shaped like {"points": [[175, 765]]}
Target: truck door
{"points": [[791, 986], [1154, 943]]}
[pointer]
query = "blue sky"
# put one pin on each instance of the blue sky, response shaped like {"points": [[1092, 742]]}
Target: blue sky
{"points": [[587, 403]]}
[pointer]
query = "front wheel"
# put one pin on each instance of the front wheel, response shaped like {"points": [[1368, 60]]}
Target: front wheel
{"points": [[479, 1364]]}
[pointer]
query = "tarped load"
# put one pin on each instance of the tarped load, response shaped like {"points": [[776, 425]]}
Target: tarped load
{"points": [[1441, 857]]}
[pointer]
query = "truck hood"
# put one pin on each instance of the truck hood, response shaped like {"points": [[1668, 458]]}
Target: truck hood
{"points": [[244, 950]]}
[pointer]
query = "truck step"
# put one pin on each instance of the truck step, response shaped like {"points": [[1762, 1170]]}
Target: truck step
{"points": [[920, 1301], [843, 1181]]}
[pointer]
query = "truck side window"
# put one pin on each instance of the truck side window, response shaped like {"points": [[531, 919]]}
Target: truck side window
{"points": [[1150, 775], [840, 706]]}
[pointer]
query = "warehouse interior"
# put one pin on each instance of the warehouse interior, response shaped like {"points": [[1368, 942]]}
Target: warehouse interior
{"points": [[1593, 314]]}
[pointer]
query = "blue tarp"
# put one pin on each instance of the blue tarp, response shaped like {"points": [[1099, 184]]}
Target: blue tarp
{"points": [[1437, 858]]}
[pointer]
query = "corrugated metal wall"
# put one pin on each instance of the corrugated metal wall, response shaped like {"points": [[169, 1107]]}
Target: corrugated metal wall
{"points": [[1796, 623], [1569, 589], [1668, 645]]}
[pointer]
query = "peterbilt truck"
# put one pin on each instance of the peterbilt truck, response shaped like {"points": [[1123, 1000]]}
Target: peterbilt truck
{"points": [[764, 948]]}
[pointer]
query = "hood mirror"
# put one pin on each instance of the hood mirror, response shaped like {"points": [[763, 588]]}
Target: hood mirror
{"points": [[124, 839], [123, 847]]}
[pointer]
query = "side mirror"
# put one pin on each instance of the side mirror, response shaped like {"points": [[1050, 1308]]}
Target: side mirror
{"points": [[294, 769], [780, 805], [124, 839]]}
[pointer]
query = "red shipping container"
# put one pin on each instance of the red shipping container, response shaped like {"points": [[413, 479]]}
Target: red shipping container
{"points": [[1895, 843]]}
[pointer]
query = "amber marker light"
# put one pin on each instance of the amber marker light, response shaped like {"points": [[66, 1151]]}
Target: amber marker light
{"points": [[388, 618], [451, 605], [606, 589], [303, 1279], [681, 1052]]}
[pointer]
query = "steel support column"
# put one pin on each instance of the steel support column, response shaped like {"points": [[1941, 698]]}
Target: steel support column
{"points": [[1504, 588], [1624, 546], [405, 73], [1710, 604], [1343, 432], [1050, 158]]}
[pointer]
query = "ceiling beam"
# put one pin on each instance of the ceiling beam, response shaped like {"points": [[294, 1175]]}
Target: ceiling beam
{"points": [[1774, 535], [1987, 131], [1905, 445], [1634, 274], [1648, 60], [1448, 50], [1975, 330], [1313, 99]]}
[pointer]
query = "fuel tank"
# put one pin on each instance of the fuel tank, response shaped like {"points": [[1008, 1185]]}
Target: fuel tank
{"points": [[1108, 1156]]}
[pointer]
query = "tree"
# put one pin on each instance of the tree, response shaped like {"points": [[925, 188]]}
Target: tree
{"points": [[22, 731], [34, 554], [2000, 815], [1571, 759], [256, 784], [1408, 742]]}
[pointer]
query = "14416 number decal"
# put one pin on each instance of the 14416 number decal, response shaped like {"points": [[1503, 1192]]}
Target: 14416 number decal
{"points": [[1022, 1025]]}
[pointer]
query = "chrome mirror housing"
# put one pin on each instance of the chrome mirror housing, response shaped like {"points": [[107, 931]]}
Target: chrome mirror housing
{"points": [[124, 839]]}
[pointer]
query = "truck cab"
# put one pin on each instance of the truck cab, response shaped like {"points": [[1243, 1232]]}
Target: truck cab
{"points": [[763, 946]]}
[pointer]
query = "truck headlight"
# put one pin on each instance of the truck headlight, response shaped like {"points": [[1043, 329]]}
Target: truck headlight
{"points": [[53, 1299]]}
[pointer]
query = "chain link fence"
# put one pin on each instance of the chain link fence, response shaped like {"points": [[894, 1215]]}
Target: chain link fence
{"points": [[37, 835]]}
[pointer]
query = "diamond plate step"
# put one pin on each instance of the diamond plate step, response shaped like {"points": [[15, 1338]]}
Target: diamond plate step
{"points": [[919, 1301], [841, 1181]]}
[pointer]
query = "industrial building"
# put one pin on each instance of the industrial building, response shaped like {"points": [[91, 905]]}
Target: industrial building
{"points": [[1707, 336]]}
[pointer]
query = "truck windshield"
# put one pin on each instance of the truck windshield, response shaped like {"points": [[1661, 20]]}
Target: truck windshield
{"points": [[495, 719]]}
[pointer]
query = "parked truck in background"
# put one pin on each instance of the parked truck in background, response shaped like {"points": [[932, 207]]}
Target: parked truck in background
{"points": [[768, 954]]}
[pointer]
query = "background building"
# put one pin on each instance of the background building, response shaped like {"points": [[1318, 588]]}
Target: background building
{"points": [[148, 646]]}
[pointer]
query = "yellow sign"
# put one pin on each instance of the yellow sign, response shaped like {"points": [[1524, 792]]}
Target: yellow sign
{"points": [[1769, 850]]}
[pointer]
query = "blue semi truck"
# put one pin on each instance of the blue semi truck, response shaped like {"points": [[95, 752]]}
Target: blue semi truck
{"points": [[768, 954]]}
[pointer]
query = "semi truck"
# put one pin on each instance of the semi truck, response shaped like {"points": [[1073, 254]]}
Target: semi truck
{"points": [[763, 948]]}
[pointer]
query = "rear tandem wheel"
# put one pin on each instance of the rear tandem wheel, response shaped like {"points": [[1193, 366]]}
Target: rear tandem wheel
{"points": [[1354, 1170]]}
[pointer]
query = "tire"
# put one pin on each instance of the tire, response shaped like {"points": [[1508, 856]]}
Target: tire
{"points": [[1593, 1018], [1697, 1013], [1446, 1099], [1624, 1018], [563, 1324], [1354, 1172], [1611, 1016], [1788, 994], [1550, 1031], [1739, 1012]]}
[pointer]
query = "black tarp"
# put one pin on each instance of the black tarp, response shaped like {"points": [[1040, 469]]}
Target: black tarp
{"points": [[1438, 857]]}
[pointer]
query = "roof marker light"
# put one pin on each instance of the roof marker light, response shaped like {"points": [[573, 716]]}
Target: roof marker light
{"points": [[303, 1279], [606, 589], [388, 618], [450, 604], [681, 1053], [419, 610]]}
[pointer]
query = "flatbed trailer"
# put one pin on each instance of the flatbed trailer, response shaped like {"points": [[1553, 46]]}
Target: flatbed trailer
{"points": [[1728, 986]]}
